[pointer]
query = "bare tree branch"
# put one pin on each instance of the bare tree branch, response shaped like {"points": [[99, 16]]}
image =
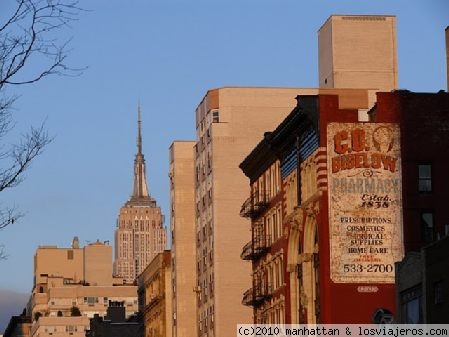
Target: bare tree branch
{"points": [[9, 216], [29, 51], [28, 33], [21, 154], [3, 255]]}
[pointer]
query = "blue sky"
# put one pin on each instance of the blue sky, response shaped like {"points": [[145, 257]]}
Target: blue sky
{"points": [[167, 54]]}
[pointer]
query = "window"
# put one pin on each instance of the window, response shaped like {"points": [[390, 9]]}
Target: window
{"points": [[70, 328], [275, 227], [427, 226], [70, 255], [438, 292], [215, 116], [91, 300], [425, 178], [411, 306]]}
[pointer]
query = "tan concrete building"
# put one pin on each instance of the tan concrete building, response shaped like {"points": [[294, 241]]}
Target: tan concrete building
{"points": [[155, 296], [140, 234], [182, 220], [60, 327], [358, 51], [91, 264], [229, 121], [69, 278]]}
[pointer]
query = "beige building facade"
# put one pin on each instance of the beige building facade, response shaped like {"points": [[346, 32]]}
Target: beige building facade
{"points": [[229, 121], [140, 234], [358, 51], [155, 296], [183, 251], [60, 327], [74, 281]]}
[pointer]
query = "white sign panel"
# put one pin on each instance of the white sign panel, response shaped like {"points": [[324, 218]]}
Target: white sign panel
{"points": [[365, 207]]}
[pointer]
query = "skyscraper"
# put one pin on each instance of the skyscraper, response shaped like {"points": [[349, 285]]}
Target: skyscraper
{"points": [[140, 233]]}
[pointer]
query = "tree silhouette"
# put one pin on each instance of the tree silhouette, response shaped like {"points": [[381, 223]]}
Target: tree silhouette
{"points": [[29, 51]]}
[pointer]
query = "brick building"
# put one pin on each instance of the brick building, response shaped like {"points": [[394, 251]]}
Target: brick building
{"points": [[268, 293], [369, 192], [424, 123], [422, 276], [285, 247], [422, 280]]}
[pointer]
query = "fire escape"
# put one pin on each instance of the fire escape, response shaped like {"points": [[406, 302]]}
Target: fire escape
{"points": [[259, 245]]}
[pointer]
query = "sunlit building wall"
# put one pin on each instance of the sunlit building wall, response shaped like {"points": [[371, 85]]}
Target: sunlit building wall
{"points": [[183, 251]]}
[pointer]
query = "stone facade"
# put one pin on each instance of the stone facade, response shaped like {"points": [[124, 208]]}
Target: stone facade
{"points": [[155, 296]]}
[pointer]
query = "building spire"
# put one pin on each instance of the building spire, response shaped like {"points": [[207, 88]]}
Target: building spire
{"points": [[140, 183], [139, 130]]}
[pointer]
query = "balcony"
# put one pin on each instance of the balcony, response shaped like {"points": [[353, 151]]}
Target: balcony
{"points": [[257, 295], [255, 204], [253, 251]]}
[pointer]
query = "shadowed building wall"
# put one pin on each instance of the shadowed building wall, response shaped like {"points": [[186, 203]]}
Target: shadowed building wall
{"points": [[447, 56]]}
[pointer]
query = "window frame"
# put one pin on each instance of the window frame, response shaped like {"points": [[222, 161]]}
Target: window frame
{"points": [[425, 182], [425, 228]]}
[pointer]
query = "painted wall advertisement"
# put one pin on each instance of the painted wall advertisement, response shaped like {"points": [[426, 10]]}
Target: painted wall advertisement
{"points": [[365, 207]]}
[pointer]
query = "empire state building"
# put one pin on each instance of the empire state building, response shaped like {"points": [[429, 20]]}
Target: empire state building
{"points": [[140, 234]]}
